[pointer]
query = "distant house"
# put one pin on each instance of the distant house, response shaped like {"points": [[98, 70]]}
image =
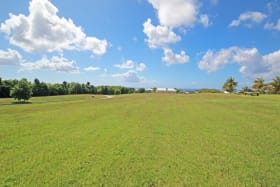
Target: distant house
{"points": [[166, 90]]}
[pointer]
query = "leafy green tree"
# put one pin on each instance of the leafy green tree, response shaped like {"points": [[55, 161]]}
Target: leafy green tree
{"points": [[141, 90], [1, 86], [276, 85], [209, 90], [56, 89], [124, 90], [65, 87], [92, 89], [230, 85], [6, 86], [36, 87], [89, 89], [39, 88], [245, 89], [75, 88], [44, 89], [259, 85], [22, 90]]}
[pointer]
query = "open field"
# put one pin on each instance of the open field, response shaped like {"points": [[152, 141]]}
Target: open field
{"points": [[141, 140]]}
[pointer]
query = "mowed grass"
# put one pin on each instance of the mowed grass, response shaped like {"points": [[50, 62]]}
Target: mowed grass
{"points": [[141, 140]]}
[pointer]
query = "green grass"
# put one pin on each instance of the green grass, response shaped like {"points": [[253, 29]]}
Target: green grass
{"points": [[141, 140]]}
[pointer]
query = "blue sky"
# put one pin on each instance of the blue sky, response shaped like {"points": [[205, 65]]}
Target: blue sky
{"points": [[140, 43]]}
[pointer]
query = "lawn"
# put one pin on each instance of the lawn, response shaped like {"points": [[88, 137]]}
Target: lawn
{"points": [[141, 140]]}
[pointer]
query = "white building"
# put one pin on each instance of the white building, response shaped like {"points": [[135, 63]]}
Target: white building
{"points": [[166, 90]]}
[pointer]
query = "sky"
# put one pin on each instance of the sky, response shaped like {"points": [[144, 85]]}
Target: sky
{"points": [[140, 43]]}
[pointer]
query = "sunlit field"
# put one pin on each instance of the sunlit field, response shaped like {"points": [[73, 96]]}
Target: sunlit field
{"points": [[141, 140]]}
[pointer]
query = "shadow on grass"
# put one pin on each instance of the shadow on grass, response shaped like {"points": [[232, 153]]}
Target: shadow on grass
{"points": [[15, 103], [21, 102]]}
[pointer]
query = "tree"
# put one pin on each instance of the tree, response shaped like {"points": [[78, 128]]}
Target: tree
{"points": [[36, 87], [75, 88], [245, 89], [154, 89], [230, 85], [276, 85], [22, 90], [259, 85], [65, 87], [6, 86], [55, 89], [141, 90], [39, 88]]}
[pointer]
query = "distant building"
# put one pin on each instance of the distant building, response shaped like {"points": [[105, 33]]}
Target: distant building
{"points": [[166, 90]]}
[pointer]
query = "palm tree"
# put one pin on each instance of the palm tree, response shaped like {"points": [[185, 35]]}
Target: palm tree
{"points": [[258, 84], [230, 85], [276, 84]]}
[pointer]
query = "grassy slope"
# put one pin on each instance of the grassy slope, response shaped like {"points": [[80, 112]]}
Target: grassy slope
{"points": [[141, 140]]}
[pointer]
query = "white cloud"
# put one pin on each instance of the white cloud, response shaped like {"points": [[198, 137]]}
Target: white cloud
{"points": [[204, 20], [271, 26], [171, 58], [56, 63], [91, 68], [252, 63], [131, 65], [140, 67], [10, 57], [249, 19], [43, 30], [272, 60], [159, 36], [176, 13], [129, 76], [212, 61]]}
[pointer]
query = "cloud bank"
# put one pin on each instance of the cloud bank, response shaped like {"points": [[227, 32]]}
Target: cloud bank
{"points": [[10, 57], [43, 30], [176, 13], [56, 63], [252, 63], [249, 19], [159, 36], [171, 58]]}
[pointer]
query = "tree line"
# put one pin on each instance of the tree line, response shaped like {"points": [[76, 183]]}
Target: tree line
{"points": [[23, 89], [259, 85]]}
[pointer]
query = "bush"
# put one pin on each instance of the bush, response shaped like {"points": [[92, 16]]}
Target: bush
{"points": [[22, 90]]}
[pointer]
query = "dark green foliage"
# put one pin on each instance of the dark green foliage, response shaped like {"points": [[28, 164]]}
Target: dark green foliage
{"points": [[141, 90], [56, 89], [40, 88], [113, 90], [245, 89], [259, 85], [22, 90], [276, 85], [6, 86], [230, 85], [209, 90], [65, 88]]}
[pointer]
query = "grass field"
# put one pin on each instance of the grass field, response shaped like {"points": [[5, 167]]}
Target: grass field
{"points": [[141, 140]]}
